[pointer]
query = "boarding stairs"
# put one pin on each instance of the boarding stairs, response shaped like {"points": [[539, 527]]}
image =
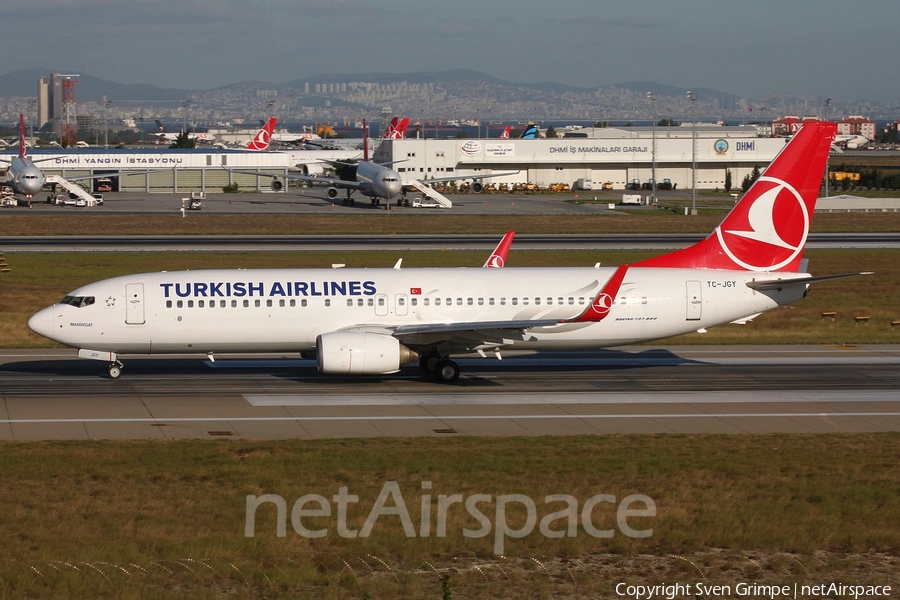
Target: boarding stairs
{"points": [[439, 198], [71, 187]]}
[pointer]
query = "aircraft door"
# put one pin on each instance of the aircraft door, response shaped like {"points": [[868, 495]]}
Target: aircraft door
{"points": [[134, 303], [694, 301], [401, 305], [381, 305]]}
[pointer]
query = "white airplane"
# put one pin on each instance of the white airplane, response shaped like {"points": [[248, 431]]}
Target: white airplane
{"points": [[373, 321], [23, 177]]}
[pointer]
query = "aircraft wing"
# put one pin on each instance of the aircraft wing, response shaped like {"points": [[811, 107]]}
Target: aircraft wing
{"points": [[460, 337], [332, 181]]}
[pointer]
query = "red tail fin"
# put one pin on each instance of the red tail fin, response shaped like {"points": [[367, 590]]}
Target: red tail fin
{"points": [[505, 134], [767, 229], [391, 131], [23, 149], [403, 126], [365, 141], [498, 257], [263, 137]]}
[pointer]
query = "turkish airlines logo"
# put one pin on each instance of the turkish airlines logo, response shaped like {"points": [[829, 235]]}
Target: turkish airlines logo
{"points": [[602, 303], [495, 262], [261, 141], [773, 231]]}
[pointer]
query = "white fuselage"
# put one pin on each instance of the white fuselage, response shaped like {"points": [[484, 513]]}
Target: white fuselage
{"points": [[378, 181], [25, 177], [284, 310]]}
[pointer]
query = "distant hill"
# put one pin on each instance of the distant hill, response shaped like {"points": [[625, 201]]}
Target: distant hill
{"points": [[24, 82]]}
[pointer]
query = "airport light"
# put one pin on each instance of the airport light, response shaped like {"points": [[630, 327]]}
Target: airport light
{"points": [[652, 97], [106, 105], [827, 102], [693, 98]]}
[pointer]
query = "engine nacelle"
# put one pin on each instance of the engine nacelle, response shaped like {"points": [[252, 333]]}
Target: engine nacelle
{"points": [[358, 353], [332, 192], [477, 187], [277, 186]]}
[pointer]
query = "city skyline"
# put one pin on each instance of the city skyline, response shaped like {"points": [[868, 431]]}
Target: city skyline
{"points": [[803, 48]]}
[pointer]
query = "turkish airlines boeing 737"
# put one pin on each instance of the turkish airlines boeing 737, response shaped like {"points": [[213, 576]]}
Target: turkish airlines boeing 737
{"points": [[373, 321]]}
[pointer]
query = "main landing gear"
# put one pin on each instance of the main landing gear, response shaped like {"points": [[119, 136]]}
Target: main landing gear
{"points": [[443, 370]]}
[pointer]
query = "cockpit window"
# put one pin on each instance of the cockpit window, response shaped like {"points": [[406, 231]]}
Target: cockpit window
{"points": [[78, 301]]}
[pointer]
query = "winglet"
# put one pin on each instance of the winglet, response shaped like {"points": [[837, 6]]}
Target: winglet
{"points": [[498, 257], [603, 302]]}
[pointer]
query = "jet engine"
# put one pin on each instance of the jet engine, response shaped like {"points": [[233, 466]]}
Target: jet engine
{"points": [[277, 186], [332, 192], [359, 353], [477, 187]]}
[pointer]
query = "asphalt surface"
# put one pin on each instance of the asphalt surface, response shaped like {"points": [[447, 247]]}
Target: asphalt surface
{"points": [[744, 389]]}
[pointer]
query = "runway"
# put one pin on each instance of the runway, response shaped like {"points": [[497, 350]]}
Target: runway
{"points": [[730, 389]]}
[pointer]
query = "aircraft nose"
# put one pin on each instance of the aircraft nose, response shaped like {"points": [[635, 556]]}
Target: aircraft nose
{"points": [[42, 322]]}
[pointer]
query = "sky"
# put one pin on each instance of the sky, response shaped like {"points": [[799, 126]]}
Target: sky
{"points": [[824, 48]]}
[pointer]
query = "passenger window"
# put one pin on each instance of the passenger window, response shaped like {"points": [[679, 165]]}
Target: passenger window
{"points": [[537, 301], [303, 303], [515, 301], [234, 304], [201, 304], [491, 301], [426, 301], [349, 301], [269, 303], [246, 303], [179, 304], [360, 302], [380, 302], [256, 303], [437, 301], [481, 302], [190, 304], [524, 301], [293, 303], [502, 301], [470, 302], [281, 302], [401, 301], [221, 304], [168, 304], [327, 301], [459, 301], [371, 302]]}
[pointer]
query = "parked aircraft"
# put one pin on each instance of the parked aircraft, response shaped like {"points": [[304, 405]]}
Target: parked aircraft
{"points": [[23, 177], [506, 131], [373, 321], [378, 181], [170, 136]]}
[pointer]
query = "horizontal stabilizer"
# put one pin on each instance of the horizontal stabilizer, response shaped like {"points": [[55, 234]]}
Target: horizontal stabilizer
{"points": [[776, 284]]}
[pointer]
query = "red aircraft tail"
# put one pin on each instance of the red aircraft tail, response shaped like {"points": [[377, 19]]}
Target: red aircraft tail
{"points": [[767, 229], [23, 149], [263, 137]]}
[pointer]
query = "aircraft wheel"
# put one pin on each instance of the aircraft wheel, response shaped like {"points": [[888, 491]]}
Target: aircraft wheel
{"points": [[428, 363], [114, 371], [447, 371]]}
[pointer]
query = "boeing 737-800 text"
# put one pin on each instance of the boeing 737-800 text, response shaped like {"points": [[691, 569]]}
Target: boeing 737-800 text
{"points": [[373, 321]]}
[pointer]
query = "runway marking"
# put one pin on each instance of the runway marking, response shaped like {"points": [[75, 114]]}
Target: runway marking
{"points": [[550, 399], [455, 417]]}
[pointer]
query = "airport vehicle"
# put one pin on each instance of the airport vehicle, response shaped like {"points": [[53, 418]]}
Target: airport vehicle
{"points": [[98, 198], [583, 183], [373, 321]]}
